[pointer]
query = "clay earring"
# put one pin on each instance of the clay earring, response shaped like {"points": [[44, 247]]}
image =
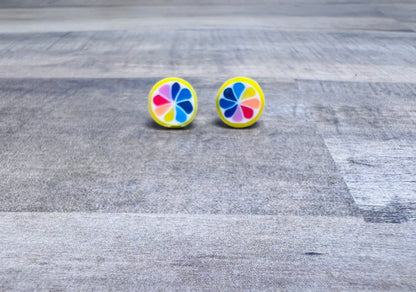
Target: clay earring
{"points": [[240, 102], [172, 103]]}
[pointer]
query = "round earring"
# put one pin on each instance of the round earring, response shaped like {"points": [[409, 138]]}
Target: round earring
{"points": [[240, 102], [173, 103]]}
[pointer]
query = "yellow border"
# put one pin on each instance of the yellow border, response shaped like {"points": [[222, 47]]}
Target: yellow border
{"points": [[160, 83], [258, 89]]}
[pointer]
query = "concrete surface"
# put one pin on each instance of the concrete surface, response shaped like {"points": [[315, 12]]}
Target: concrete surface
{"points": [[319, 195], [130, 252]]}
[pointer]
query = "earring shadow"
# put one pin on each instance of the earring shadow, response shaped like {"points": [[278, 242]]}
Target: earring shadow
{"points": [[220, 124], [151, 124]]}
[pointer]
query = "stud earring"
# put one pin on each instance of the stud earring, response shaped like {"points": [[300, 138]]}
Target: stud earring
{"points": [[240, 102], [173, 103]]}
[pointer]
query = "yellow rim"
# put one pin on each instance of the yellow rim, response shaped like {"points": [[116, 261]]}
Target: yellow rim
{"points": [[159, 84], [256, 87]]}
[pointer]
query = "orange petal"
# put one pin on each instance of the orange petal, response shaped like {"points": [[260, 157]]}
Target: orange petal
{"points": [[161, 110], [252, 102]]}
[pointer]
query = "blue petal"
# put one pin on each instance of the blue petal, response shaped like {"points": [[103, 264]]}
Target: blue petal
{"points": [[228, 93], [175, 89], [238, 89], [180, 115], [226, 103], [186, 106], [184, 94], [230, 112]]}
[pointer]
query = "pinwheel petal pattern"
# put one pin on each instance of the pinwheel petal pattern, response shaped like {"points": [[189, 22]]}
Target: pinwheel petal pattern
{"points": [[239, 102], [173, 103]]}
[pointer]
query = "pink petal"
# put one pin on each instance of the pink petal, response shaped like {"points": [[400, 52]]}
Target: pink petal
{"points": [[165, 91], [238, 116]]}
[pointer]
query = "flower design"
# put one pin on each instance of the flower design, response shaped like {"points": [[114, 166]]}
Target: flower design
{"points": [[172, 103], [239, 102]]}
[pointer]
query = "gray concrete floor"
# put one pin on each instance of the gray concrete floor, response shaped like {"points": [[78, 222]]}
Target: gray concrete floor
{"points": [[319, 195]]}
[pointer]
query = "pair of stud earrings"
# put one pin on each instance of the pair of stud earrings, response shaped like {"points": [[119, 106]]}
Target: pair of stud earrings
{"points": [[173, 102]]}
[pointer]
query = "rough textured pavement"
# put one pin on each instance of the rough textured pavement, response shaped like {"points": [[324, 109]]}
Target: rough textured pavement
{"points": [[320, 194]]}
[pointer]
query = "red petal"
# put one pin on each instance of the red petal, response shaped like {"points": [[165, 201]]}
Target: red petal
{"points": [[160, 100], [248, 112]]}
